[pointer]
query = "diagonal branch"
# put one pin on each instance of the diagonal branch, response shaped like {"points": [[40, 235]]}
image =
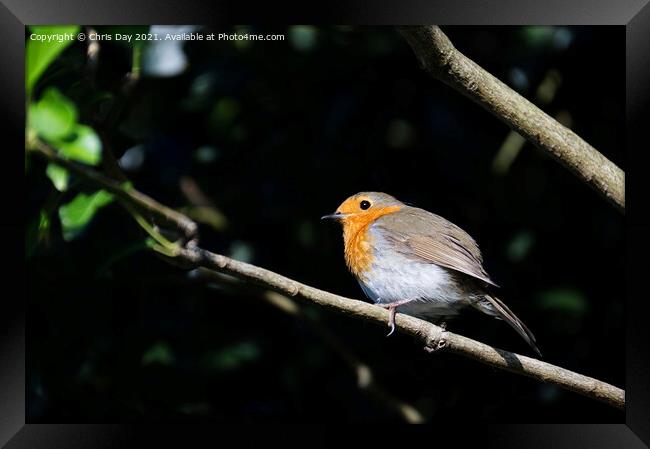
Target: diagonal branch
{"points": [[430, 335], [141, 201], [439, 57]]}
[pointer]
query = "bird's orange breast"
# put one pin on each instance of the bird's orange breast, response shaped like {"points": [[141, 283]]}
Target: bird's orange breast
{"points": [[357, 240]]}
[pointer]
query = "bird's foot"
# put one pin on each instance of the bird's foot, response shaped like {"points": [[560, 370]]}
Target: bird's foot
{"points": [[438, 340], [391, 319], [392, 309]]}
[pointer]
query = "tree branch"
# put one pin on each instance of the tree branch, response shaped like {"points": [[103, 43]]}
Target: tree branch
{"points": [[440, 59], [430, 335], [141, 201]]}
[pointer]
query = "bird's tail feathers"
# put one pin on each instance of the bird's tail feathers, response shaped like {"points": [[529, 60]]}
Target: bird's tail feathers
{"points": [[495, 307]]}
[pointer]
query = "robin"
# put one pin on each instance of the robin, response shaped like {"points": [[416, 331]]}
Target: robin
{"points": [[407, 258]]}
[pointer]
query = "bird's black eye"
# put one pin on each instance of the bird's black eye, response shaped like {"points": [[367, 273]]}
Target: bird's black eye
{"points": [[364, 204]]}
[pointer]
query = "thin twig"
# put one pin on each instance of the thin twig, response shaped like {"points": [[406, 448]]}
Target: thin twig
{"points": [[139, 200], [443, 61], [432, 336]]}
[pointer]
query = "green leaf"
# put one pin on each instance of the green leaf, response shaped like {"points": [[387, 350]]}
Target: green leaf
{"points": [[77, 213], [53, 117], [37, 231], [226, 110], [159, 353], [563, 299], [538, 36], [84, 146], [58, 175], [303, 37], [233, 357], [42, 52], [43, 223], [199, 408], [520, 245]]}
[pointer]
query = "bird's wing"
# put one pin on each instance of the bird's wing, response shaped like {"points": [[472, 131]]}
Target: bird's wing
{"points": [[427, 237]]}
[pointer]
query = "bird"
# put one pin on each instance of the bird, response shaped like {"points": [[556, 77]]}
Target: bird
{"points": [[413, 260]]}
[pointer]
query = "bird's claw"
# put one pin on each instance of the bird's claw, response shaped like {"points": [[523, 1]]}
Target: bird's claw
{"points": [[391, 320], [437, 345]]}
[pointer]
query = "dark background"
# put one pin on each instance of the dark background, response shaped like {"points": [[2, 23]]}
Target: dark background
{"points": [[278, 133]]}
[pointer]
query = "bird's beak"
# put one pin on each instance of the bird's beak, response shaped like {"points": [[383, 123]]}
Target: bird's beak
{"points": [[335, 216]]}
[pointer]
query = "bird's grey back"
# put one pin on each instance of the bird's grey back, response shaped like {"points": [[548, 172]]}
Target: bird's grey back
{"points": [[428, 237]]}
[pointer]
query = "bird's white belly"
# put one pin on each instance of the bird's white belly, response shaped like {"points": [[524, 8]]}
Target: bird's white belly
{"points": [[431, 290]]}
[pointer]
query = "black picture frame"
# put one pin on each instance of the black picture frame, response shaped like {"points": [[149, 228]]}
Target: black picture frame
{"points": [[633, 14]]}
